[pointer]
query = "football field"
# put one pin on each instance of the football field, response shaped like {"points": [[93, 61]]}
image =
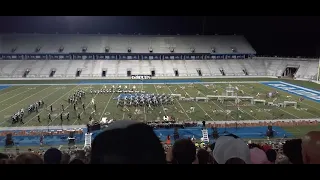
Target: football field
{"points": [[16, 97]]}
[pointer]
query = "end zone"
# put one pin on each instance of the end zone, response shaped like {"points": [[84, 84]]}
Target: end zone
{"points": [[2, 87], [295, 90]]}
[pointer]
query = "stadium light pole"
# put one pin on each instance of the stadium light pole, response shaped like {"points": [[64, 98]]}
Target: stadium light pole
{"points": [[203, 24], [318, 78], [237, 118]]}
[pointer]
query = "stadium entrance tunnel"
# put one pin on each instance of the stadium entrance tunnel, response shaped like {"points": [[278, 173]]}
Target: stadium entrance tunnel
{"points": [[222, 72], [199, 72], [26, 72], [78, 73], [153, 73], [245, 72], [128, 73], [290, 71], [52, 72], [176, 72], [104, 73]]}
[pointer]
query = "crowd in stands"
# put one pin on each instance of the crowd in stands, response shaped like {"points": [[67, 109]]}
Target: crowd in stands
{"points": [[165, 124], [40, 132], [265, 123], [130, 142]]}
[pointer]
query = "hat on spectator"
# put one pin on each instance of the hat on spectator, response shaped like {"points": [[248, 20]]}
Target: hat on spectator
{"points": [[127, 142], [228, 147], [258, 156]]}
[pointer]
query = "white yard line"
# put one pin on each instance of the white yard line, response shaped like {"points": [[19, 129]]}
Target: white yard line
{"points": [[217, 104], [315, 116], [25, 98], [51, 104], [11, 90], [76, 120], [240, 109], [294, 95], [105, 108], [65, 107], [198, 104], [310, 106], [29, 120], [278, 107], [179, 104], [161, 103], [144, 108], [17, 94]]}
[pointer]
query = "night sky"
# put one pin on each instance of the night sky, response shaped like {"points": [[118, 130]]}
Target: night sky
{"points": [[281, 36]]}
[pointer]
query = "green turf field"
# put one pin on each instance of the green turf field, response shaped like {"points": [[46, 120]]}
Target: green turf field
{"points": [[16, 97]]}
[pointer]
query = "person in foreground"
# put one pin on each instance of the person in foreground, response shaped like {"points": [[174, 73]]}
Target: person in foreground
{"points": [[127, 142], [231, 150], [311, 148]]}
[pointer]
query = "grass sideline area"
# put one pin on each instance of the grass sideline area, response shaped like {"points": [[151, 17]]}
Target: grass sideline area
{"points": [[16, 97]]}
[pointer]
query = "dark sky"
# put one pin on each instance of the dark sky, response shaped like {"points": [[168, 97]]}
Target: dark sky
{"points": [[269, 35]]}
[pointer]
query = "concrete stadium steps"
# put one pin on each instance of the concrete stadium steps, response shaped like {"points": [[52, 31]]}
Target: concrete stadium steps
{"points": [[50, 43], [186, 68], [87, 68], [74, 66], [9, 66]]}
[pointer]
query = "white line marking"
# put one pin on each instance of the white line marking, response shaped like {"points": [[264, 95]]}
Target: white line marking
{"points": [[218, 104], [86, 107], [10, 90], [76, 120], [42, 109], [161, 102], [106, 105], [17, 94], [25, 98], [144, 108], [197, 104], [278, 107], [58, 100], [179, 104], [51, 104]]}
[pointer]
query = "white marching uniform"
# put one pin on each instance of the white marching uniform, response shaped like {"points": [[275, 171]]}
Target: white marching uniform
{"points": [[92, 101]]}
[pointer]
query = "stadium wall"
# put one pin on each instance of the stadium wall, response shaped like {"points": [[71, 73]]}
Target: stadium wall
{"points": [[162, 77]]}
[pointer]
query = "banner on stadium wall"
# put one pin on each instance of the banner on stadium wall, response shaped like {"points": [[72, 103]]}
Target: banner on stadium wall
{"points": [[141, 77], [116, 56]]}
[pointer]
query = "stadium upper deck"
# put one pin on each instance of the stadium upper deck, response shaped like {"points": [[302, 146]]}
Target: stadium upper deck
{"points": [[79, 43]]}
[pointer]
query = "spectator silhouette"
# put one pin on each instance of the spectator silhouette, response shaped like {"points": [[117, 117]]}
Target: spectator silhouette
{"points": [[292, 149], [183, 152], [204, 157], [65, 158], [52, 156], [3, 156], [311, 148], [127, 142], [76, 161], [271, 155], [258, 156], [29, 158]]}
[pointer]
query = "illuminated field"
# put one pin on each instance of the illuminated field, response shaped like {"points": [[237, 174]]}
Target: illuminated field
{"points": [[16, 97]]}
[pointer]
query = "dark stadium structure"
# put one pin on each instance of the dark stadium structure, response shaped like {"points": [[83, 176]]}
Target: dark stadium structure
{"points": [[146, 60]]}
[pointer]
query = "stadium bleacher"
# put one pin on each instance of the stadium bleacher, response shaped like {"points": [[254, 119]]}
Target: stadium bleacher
{"points": [[227, 46], [39, 56]]}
